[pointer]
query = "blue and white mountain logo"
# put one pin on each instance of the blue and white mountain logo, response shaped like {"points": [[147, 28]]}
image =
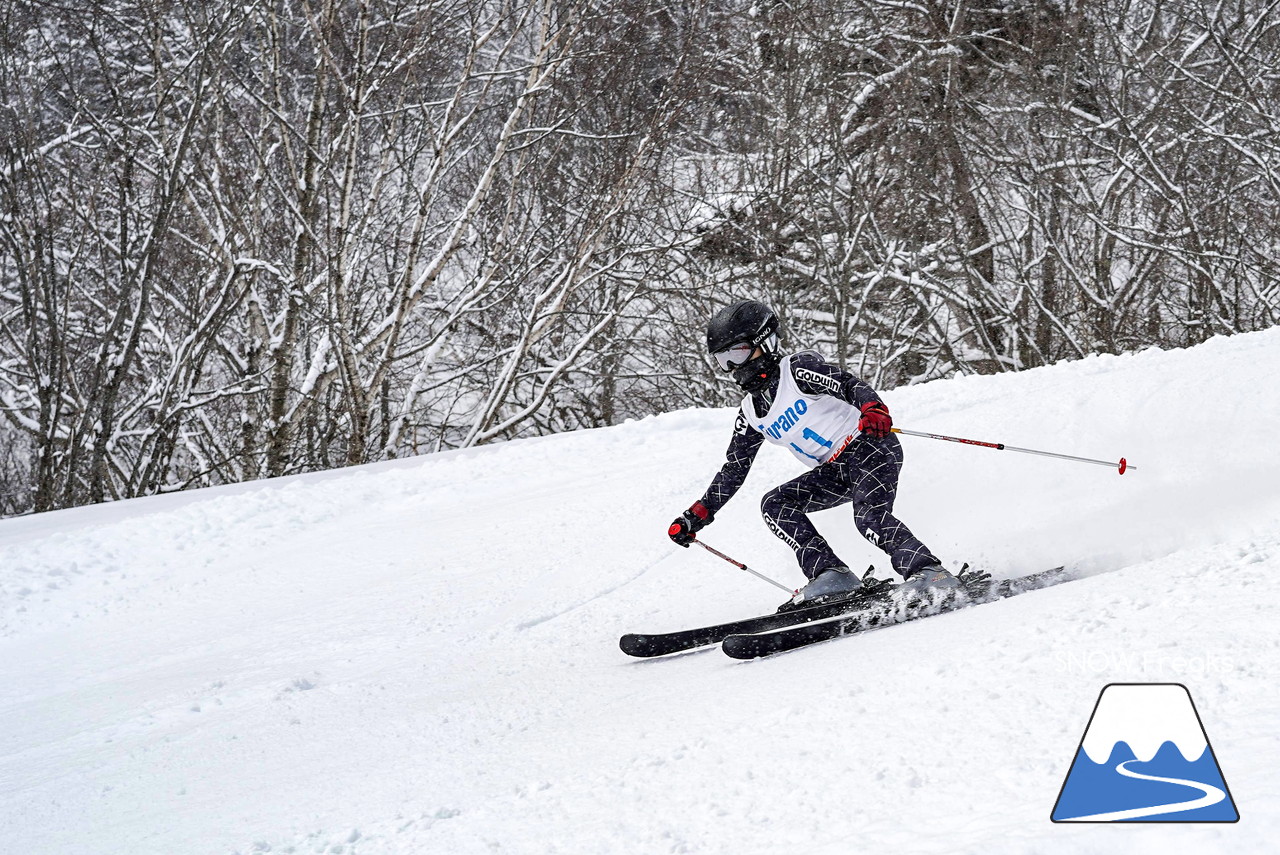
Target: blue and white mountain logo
{"points": [[1145, 758]]}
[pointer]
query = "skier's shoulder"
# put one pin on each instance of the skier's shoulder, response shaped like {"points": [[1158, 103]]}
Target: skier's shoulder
{"points": [[814, 374], [809, 359]]}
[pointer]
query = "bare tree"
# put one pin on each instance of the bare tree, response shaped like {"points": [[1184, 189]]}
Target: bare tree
{"points": [[249, 239]]}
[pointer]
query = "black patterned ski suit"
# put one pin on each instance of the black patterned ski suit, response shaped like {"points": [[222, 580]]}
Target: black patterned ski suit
{"points": [[865, 474]]}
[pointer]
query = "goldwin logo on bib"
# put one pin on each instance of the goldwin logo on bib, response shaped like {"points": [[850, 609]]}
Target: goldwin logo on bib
{"points": [[829, 383]]}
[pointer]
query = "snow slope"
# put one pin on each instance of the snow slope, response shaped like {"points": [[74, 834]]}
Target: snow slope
{"points": [[421, 656]]}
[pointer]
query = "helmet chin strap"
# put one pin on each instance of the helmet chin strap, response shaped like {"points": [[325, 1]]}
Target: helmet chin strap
{"points": [[757, 374]]}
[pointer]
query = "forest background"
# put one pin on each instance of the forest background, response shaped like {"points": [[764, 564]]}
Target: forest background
{"points": [[254, 238]]}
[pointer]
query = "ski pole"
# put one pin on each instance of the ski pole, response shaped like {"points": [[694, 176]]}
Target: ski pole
{"points": [[742, 566], [1123, 466]]}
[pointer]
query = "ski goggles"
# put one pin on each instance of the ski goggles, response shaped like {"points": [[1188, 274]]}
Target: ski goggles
{"points": [[734, 357]]}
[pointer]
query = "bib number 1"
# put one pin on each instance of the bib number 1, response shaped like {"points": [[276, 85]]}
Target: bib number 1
{"points": [[811, 434]]}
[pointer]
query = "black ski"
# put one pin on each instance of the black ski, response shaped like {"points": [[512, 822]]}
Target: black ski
{"points": [[874, 592], [980, 587]]}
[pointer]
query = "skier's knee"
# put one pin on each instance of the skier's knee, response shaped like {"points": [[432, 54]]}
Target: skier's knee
{"points": [[867, 520], [780, 532], [774, 510], [870, 525], [771, 504]]}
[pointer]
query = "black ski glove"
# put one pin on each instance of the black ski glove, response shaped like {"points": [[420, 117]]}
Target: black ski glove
{"points": [[692, 520]]}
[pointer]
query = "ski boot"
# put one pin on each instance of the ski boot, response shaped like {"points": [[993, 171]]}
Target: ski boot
{"points": [[834, 583], [933, 582]]}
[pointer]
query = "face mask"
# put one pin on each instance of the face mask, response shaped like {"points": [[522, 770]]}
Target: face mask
{"points": [[757, 374]]}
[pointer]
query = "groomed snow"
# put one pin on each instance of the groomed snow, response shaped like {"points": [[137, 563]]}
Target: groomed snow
{"points": [[421, 657]]}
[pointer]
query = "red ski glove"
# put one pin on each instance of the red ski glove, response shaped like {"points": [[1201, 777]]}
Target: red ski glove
{"points": [[694, 519], [876, 421]]}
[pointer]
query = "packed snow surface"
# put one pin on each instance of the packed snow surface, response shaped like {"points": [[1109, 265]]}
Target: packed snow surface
{"points": [[421, 656]]}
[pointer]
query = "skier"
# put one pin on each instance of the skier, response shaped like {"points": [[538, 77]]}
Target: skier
{"points": [[835, 424]]}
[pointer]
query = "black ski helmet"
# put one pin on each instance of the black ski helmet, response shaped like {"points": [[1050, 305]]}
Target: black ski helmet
{"points": [[744, 322], [747, 322]]}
